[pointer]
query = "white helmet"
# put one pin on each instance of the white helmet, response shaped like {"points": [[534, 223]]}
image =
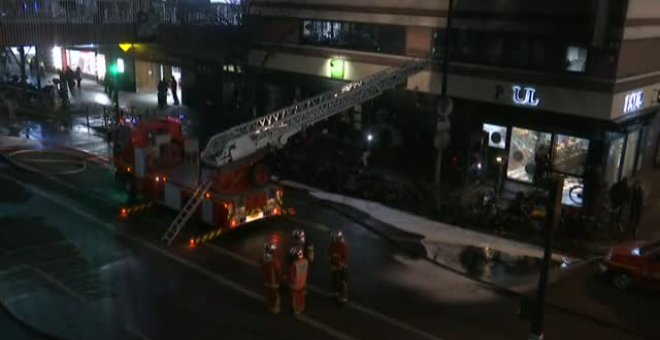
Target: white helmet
{"points": [[269, 249], [337, 235], [298, 235], [296, 252]]}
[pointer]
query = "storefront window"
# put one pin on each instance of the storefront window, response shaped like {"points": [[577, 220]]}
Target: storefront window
{"points": [[614, 160], [86, 60], [100, 66], [570, 154], [496, 135], [572, 192], [631, 151], [525, 146], [56, 55]]}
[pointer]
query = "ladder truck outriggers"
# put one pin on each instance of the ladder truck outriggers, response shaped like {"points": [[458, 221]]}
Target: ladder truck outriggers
{"points": [[227, 185]]}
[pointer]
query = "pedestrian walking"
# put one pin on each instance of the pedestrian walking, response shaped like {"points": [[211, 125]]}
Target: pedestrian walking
{"points": [[78, 76], [174, 86], [298, 280], [162, 94], [338, 254], [636, 207], [619, 197], [271, 266]]}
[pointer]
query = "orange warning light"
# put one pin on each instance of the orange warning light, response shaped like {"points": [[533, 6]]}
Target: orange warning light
{"points": [[192, 243], [123, 212], [277, 211], [234, 223]]}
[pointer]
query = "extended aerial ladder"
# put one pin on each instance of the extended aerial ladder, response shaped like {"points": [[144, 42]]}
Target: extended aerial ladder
{"points": [[273, 130]]}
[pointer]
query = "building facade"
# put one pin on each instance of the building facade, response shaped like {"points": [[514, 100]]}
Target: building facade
{"points": [[570, 84]]}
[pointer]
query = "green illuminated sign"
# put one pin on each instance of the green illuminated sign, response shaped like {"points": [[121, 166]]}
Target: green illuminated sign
{"points": [[337, 68], [117, 67], [113, 69]]}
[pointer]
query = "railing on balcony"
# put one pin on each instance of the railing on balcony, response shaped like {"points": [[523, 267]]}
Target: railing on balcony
{"points": [[170, 12], [229, 14]]}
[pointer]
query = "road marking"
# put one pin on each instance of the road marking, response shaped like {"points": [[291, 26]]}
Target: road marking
{"points": [[312, 224], [387, 319], [63, 202]]}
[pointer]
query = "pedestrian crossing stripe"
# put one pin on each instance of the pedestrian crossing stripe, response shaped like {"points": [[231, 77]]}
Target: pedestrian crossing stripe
{"points": [[124, 212]]}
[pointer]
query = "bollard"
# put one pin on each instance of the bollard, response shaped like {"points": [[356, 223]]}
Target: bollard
{"points": [[87, 114]]}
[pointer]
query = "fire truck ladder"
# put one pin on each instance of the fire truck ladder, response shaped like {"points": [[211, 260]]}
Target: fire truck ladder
{"points": [[187, 211], [273, 130]]}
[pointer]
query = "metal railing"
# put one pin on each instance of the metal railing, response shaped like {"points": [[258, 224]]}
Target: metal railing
{"points": [[120, 12]]}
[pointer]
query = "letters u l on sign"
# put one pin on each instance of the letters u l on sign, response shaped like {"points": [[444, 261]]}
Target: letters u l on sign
{"points": [[525, 96]]}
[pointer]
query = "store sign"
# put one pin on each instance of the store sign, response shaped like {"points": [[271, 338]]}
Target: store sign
{"points": [[337, 68], [633, 102], [525, 96]]}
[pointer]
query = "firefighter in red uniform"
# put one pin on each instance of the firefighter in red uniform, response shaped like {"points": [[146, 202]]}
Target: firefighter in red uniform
{"points": [[298, 280], [300, 240], [272, 269], [338, 253]]}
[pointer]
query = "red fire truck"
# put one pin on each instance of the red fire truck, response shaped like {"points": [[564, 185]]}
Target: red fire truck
{"points": [[226, 185]]}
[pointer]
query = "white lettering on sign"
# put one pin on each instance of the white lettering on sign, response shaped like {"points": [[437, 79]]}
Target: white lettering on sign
{"points": [[529, 97], [633, 102]]}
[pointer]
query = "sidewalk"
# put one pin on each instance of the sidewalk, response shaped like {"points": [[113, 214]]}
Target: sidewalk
{"points": [[91, 100]]}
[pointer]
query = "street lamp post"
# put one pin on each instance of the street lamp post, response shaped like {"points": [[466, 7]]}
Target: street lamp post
{"points": [[556, 187], [445, 106], [500, 173]]}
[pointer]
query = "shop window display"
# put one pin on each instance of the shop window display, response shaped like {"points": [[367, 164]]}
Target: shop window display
{"points": [[631, 151], [496, 135], [614, 160], [572, 192], [570, 154], [527, 148]]}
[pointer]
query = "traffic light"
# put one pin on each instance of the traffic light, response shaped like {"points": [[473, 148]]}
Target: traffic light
{"points": [[113, 69], [117, 67]]}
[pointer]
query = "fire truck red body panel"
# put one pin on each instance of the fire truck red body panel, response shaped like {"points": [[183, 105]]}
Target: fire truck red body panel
{"points": [[156, 161]]}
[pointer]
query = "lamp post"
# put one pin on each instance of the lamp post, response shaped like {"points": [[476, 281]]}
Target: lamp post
{"points": [[367, 153], [555, 186], [445, 106], [500, 160]]}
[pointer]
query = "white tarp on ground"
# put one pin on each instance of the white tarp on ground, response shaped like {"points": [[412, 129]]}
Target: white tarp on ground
{"points": [[433, 232]]}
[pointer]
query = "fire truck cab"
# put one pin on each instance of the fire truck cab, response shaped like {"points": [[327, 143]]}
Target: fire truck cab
{"points": [[153, 159]]}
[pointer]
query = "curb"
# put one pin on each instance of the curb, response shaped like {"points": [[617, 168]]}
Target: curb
{"points": [[506, 292]]}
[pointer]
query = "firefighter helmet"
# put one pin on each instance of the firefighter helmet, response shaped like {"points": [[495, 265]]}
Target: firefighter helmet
{"points": [[296, 252], [298, 235], [269, 249], [337, 235]]}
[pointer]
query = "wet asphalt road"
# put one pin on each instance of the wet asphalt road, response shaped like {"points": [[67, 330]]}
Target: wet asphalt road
{"points": [[215, 289], [66, 228]]}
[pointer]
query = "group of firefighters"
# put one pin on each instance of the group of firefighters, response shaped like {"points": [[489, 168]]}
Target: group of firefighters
{"points": [[300, 256]]}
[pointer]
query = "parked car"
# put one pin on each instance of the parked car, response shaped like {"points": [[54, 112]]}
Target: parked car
{"points": [[633, 264]]}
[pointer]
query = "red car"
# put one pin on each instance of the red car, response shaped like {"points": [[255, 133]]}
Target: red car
{"points": [[633, 264]]}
